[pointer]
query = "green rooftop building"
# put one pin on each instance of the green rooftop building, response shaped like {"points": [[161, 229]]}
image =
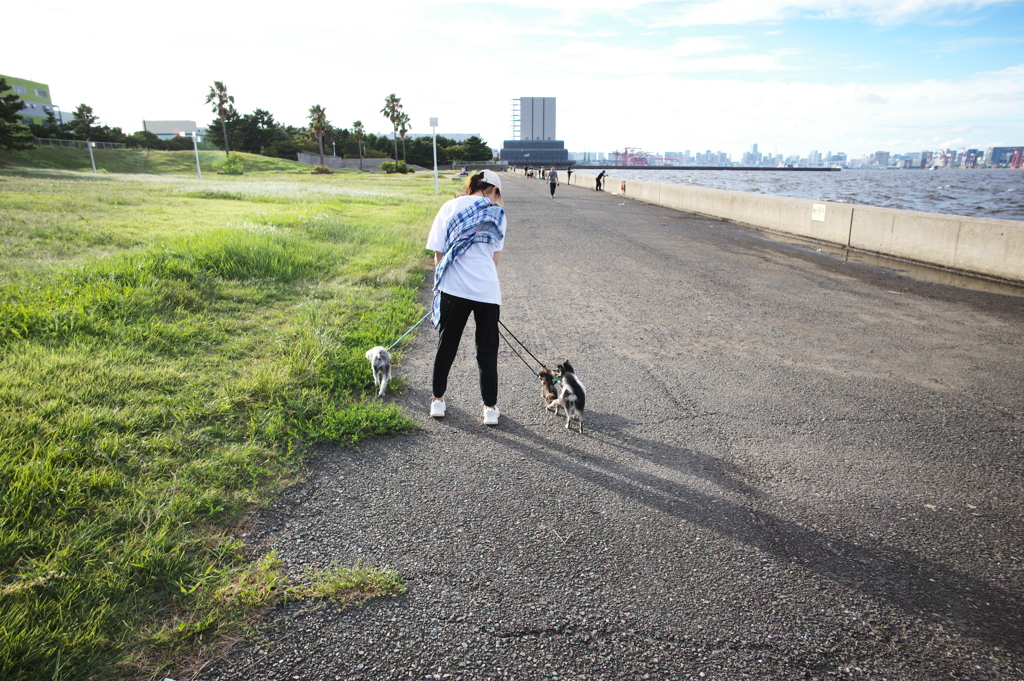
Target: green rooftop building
{"points": [[37, 105]]}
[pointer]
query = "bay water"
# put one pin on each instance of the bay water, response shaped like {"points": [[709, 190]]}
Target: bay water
{"points": [[989, 193]]}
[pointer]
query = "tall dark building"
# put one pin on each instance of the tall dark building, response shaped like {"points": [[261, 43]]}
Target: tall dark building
{"points": [[533, 130]]}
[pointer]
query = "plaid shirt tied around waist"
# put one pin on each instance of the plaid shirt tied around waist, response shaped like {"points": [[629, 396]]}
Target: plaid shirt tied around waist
{"points": [[474, 224]]}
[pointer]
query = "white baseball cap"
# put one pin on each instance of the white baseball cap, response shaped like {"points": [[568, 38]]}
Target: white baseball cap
{"points": [[491, 177]]}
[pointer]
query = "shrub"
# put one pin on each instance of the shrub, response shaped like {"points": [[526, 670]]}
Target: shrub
{"points": [[399, 167], [322, 170], [232, 165]]}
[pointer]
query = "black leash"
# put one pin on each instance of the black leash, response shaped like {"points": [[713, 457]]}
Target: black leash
{"points": [[516, 353], [543, 366]]}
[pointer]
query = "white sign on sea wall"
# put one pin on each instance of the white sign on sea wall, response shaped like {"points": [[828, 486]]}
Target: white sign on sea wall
{"points": [[818, 212]]}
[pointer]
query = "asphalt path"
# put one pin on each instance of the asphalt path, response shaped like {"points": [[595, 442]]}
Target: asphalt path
{"points": [[793, 467]]}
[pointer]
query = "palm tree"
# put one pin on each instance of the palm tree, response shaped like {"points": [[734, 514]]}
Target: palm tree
{"points": [[403, 127], [318, 125], [392, 108], [358, 130], [223, 106]]}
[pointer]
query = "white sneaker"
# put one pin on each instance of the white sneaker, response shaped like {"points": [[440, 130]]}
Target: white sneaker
{"points": [[491, 416], [437, 408]]}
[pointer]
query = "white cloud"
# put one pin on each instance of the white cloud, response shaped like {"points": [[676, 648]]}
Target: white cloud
{"points": [[794, 117], [882, 12], [685, 47], [972, 43], [616, 85]]}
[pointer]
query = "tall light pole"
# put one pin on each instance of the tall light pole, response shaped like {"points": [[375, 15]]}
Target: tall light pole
{"points": [[195, 145], [433, 127], [91, 157]]}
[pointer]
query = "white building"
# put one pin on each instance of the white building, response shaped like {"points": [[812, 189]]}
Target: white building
{"points": [[166, 130]]}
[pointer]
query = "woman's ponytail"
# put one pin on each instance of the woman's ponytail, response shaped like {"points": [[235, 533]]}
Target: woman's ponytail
{"points": [[476, 184]]}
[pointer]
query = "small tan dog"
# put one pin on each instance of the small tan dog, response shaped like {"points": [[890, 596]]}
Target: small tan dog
{"points": [[547, 390]]}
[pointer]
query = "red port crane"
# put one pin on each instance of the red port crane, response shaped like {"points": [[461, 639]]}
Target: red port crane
{"points": [[631, 157]]}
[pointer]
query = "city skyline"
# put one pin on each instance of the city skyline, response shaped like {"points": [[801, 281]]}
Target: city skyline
{"points": [[966, 157], [858, 76]]}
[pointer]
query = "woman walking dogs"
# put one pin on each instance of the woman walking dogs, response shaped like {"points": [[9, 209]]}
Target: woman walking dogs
{"points": [[467, 236]]}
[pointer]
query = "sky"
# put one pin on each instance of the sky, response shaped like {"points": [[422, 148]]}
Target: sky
{"points": [[792, 76]]}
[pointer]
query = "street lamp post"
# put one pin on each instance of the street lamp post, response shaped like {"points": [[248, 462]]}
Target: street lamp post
{"points": [[433, 127], [195, 145], [91, 157]]}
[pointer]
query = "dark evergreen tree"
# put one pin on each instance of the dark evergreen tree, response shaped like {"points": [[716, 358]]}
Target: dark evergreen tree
{"points": [[179, 143], [477, 150], [284, 145], [13, 134], [82, 123], [376, 146], [218, 128], [421, 151], [145, 139], [49, 128], [255, 133]]}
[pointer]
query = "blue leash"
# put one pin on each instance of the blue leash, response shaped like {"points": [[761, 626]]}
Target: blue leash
{"points": [[422, 319]]}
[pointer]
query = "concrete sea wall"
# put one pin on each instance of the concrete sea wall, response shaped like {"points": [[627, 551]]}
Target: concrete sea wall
{"points": [[981, 246]]}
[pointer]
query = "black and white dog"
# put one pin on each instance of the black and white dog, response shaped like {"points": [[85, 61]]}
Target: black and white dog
{"points": [[380, 362], [572, 395]]}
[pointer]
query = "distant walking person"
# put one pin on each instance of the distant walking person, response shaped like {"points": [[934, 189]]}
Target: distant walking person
{"points": [[568, 175], [600, 180], [552, 180]]}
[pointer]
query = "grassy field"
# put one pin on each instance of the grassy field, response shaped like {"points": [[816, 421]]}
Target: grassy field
{"points": [[141, 161], [169, 349]]}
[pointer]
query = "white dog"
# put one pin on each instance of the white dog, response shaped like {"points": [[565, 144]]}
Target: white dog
{"points": [[380, 362]]}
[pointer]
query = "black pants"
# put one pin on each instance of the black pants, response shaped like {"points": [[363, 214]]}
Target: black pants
{"points": [[454, 314], [553, 185]]}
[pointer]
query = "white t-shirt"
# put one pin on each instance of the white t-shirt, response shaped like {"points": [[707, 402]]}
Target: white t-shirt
{"points": [[472, 275]]}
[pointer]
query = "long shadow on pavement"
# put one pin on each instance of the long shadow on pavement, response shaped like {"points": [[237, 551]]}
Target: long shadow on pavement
{"points": [[977, 609]]}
